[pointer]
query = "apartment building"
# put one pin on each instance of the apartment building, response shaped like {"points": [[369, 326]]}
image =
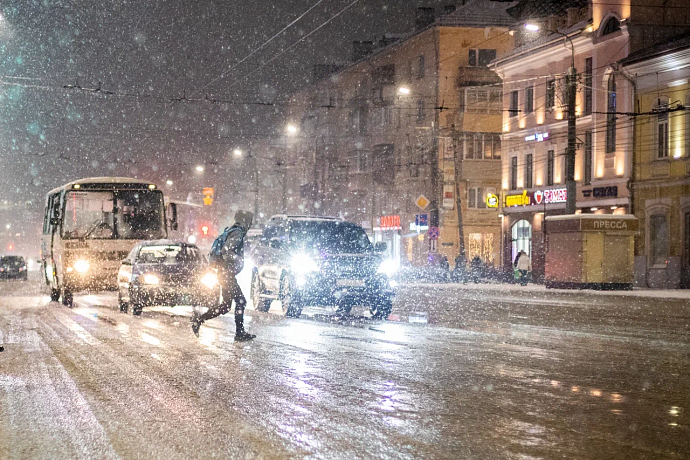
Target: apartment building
{"points": [[408, 134]]}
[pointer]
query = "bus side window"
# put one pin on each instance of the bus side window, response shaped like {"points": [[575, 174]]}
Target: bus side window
{"points": [[47, 214], [53, 212]]}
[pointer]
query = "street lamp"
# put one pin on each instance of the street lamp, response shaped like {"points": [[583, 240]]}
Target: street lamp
{"points": [[291, 129], [403, 90], [237, 152], [169, 182], [200, 168]]}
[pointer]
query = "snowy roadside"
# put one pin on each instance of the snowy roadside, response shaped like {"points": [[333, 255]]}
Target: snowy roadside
{"points": [[538, 288]]}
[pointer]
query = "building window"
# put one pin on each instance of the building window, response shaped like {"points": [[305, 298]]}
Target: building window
{"points": [[513, 173], [528, 170], [686, 244], [529, 99], [658, 239], [482, 245], [662, 135], [421, 71], [363, 114], [513, 103], [481, 57], [588, 157], [483, 100], [611, 26], [361, 159], [550, 94], [611, 116], [549, 167], [482, 146], [588, 86], [421, 110], [383, 163], [476, 197]]}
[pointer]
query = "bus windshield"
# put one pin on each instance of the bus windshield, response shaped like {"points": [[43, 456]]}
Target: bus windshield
{"points": [[120, 214]]}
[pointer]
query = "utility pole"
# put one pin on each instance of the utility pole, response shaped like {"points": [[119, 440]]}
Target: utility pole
{"points": [[570, 184], [457, 166]]}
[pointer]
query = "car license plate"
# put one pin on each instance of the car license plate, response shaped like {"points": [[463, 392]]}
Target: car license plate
{"points": [[350, 282]]}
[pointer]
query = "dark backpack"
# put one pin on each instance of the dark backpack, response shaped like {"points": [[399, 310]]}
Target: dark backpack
{"points": [[215, 257]]}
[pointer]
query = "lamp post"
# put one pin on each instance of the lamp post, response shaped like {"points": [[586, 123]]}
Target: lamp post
{"points": [[571, 79]]}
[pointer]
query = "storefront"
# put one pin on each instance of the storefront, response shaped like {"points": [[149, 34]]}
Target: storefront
{"points": [[388, 230], [524, 228]]}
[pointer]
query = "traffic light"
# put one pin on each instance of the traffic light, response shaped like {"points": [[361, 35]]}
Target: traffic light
{"points": [[204, 229]]}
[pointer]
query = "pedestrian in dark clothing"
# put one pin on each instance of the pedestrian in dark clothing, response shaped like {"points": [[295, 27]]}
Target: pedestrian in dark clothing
{"points": [[460, 267], [524, 265], [227, 256], [476, 268]]}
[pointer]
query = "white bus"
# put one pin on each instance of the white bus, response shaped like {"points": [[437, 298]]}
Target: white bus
{"points": [[89, 227]]}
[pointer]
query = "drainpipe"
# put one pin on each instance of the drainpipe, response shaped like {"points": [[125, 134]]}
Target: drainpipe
{"points": [[630, 185]]}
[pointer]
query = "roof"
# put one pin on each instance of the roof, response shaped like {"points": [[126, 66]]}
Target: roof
{"points": [[479, 13], [532, 9], [103, 180], [677, 43]]}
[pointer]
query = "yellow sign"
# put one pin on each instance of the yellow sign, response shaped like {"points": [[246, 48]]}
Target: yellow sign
{"points": [[491, 200], [422, 202], [208, 196], [518, 200]]}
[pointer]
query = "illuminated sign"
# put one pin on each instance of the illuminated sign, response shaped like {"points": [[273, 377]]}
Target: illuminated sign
{"points": [[518, 200], [538, 197], [539, 137], [390, 223], [208, 196], [491, 200]]}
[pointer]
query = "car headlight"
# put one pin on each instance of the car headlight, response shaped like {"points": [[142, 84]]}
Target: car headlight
{"points": [[82, 266], [388, 267], [151, 279], [210, 280], [302, 263]]}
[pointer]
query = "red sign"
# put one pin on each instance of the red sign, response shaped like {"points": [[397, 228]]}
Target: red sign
{"points": [[390, 222]]}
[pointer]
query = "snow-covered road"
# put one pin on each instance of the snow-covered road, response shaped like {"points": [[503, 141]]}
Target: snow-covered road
{"points": [[459, 372]]}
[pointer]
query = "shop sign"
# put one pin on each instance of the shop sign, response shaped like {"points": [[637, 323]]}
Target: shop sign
{"points": [[491, 200], [538, 197], [390, 223], [601, 192], [612, 225], [539, 137], [448, 196]]}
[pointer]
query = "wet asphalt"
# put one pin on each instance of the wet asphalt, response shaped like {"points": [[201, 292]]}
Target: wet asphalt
{"points": [[458, 372]]}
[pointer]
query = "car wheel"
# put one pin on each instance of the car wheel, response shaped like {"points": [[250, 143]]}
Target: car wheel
{"points": [[67, 298], [381, 309], [290, 298], [123, 305], [344, 307], [260, 304], [54, 295], [137, 309]]}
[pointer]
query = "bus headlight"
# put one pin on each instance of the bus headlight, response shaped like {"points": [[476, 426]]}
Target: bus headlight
{"points": [[151, 279], [210, 280], [82, 266]]}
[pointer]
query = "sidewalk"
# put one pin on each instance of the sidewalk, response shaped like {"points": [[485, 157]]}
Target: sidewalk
{"points": [[539, 288]]}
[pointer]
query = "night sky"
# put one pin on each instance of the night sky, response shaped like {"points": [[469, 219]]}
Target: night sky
{"points": [[166, 49]]}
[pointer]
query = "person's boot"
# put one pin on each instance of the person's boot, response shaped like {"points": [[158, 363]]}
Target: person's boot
{"points": [[240, 334], [196, 324]]}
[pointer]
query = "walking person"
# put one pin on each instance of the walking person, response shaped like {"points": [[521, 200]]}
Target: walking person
{"points": [[523, 264], [227, 256]]}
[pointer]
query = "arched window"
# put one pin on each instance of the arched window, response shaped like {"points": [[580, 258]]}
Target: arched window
{"points": [[611, 26], [521, 238], [611, 115]]}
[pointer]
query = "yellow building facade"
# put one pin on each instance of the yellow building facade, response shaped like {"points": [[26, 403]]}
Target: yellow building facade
{"points": [[661, 174]]}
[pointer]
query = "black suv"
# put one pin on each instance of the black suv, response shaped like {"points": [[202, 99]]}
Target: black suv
{"points": [[13, 267], [318, 261]]}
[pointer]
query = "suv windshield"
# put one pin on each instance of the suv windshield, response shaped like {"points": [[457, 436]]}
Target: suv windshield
{"points": [[333, 237], [168, 254], [12, 261]]}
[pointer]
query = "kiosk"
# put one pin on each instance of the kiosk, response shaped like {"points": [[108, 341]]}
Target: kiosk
{"points": [[590, 251]]}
